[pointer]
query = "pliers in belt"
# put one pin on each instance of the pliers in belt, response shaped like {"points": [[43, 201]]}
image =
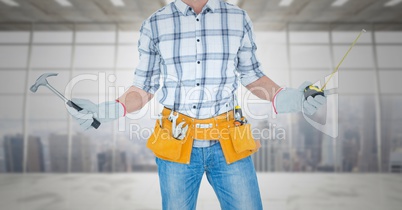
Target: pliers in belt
{"points": [[178, 132]]}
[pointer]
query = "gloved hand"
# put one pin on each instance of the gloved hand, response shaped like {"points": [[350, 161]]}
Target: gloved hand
{"points": [[290, 100], [103, 112]]}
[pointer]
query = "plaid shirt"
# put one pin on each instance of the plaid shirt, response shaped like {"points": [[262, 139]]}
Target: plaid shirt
{"points": [[197, 58]]}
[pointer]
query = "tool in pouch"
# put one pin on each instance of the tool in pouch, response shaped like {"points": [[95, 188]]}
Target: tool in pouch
{"points": [[313, 90], [241, 135], [178, 131], [238, 114]]}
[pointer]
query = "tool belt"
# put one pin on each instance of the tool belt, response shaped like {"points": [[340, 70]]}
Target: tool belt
{"points": [[237, 142]]}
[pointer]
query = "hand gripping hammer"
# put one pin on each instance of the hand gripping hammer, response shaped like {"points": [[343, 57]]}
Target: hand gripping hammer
{"points": [[41, 81]]}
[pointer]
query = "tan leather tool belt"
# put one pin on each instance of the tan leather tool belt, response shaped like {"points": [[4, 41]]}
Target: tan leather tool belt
{"points": [[237, 142]]}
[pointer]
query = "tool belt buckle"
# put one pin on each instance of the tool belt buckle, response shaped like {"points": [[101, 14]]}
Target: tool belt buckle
{"points": [[204, 126]]}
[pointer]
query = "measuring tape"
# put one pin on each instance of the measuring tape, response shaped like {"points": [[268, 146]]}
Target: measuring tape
{"points": [[313, 90]]}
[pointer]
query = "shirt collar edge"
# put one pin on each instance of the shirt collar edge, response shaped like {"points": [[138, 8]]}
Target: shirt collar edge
{"points": [[183, 7]]}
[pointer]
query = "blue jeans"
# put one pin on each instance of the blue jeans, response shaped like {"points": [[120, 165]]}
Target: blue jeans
{"points": [[235, 185]]}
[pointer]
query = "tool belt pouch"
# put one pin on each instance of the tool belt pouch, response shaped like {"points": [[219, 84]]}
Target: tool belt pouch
{"points": [[238, 143], [163, 144], [242, 138]]}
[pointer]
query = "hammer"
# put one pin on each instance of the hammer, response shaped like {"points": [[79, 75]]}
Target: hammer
{"points": [[41, 81]]}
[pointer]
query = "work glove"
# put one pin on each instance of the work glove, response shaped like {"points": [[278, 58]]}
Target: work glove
{"points": [[103, 112], [290, 100]]}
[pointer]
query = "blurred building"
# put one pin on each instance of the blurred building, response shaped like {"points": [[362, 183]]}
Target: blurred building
{"points": [[58, 153], [2, 157], [112, 161], [261, 163], [81, 153], [273, 152], [331, 155], [369, 140], [35, 155], [14, 153], [351, 150], [308, 145], [395, 162]]}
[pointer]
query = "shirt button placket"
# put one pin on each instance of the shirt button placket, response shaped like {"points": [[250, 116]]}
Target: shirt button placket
{"points": [[198, 49]]}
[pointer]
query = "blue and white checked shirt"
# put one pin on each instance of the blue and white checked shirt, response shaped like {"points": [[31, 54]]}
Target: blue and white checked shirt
{"points": [[197, 58]]}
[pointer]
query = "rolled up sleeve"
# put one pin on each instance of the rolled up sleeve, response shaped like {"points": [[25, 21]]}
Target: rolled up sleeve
{"points": [[248, 65], [147, 73]]}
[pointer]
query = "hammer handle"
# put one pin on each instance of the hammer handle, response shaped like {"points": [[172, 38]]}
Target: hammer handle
{"points": [[95, 122], [75, 106]]}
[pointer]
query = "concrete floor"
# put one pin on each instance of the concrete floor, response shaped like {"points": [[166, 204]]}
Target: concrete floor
{"points": [[135, 191]]}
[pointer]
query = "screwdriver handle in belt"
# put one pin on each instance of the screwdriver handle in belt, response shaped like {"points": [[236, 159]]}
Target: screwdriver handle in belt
{"points": [[238, 113], [239, 120]]}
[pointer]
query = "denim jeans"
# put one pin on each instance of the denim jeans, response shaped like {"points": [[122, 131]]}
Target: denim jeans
{"points": [[235, 185]]}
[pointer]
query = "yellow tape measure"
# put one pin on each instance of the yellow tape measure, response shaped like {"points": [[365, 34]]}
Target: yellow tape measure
{"points": [[314, 90]]}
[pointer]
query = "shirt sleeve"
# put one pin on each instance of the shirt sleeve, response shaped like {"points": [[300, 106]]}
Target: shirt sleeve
{"points": [[248, 65], [147, 73]]}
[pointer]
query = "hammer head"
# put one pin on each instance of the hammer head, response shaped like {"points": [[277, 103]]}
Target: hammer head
{"points": [[41, 81]]}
